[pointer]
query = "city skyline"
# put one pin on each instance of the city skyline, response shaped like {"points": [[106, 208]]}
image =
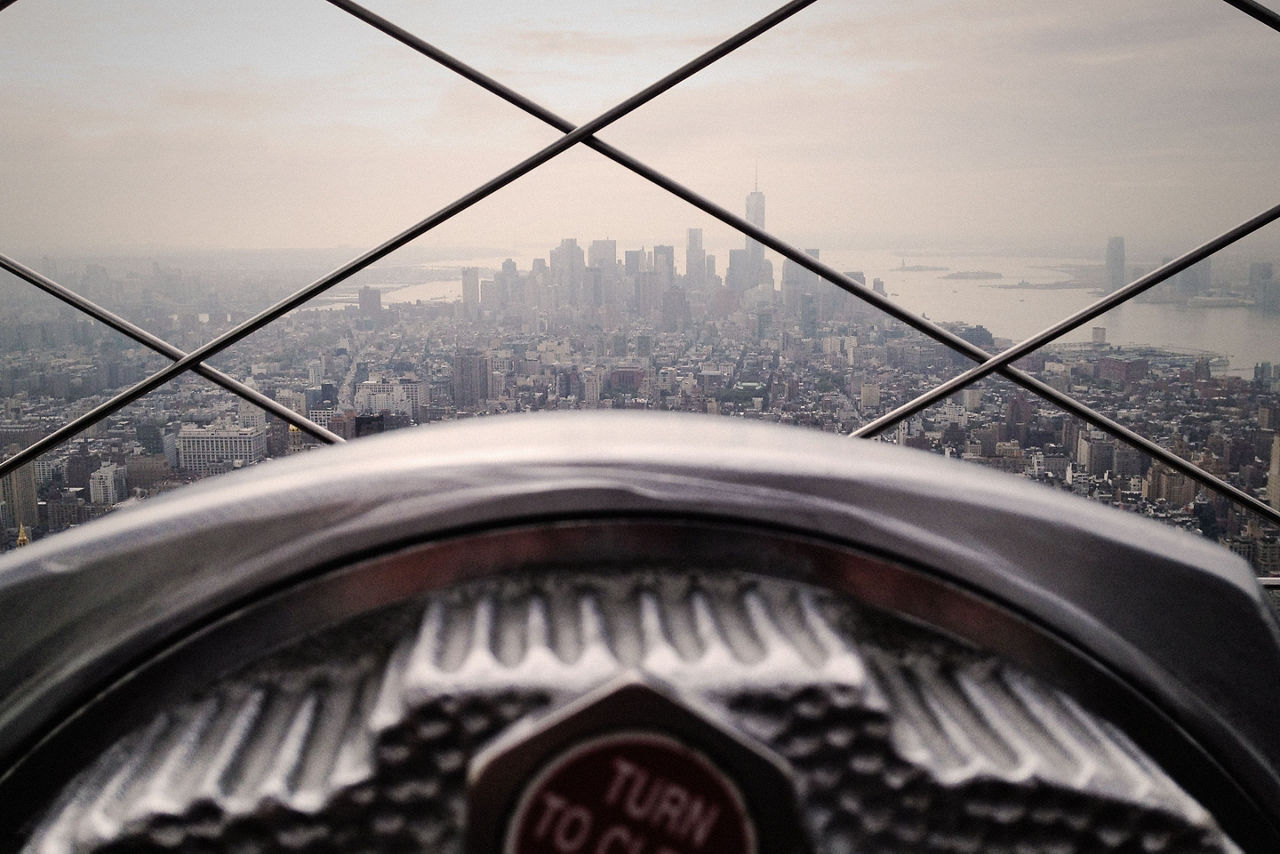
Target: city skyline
{"points": [[548, 340], [1055, 285], [603, 324]]}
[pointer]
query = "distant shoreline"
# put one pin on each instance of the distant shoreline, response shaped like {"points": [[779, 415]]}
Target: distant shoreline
{"points": [[1081, 277], [1068, 285]]}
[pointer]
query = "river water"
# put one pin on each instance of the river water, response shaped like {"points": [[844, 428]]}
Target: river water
{"points": [[1242, 334]]}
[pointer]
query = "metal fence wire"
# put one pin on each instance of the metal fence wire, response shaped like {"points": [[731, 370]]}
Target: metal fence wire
{"points": [[585, 134]]}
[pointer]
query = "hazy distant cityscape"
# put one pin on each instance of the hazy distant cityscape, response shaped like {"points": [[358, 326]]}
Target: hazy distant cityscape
{"points": [[601, 325]]}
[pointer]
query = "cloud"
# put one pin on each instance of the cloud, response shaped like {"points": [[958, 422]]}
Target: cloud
{"points": [[1033, 121], [293, 124]]}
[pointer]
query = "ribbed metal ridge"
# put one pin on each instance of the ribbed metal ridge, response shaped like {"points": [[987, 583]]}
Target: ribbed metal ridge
{"points": [[898, 738]]}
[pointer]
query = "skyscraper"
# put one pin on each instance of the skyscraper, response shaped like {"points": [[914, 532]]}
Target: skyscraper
{"points": [[695, 260], [1264, 287], [509, 285], [470, 379], [568, 263], [1273, 474], [634, 263], [370, 301], [738, 276], [603, 254], [796, 280], [1116, 278], [107, 485], [755, 216], [18, 498], [1195, 280], [664, 265], [747, 266], [471, 289]]}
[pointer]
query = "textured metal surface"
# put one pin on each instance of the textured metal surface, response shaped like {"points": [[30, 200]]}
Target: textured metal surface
{"points": [[899, 738], [1170, 647]]}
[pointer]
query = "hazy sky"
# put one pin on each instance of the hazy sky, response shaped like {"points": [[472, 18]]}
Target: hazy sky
{"points": [[897, 124]]}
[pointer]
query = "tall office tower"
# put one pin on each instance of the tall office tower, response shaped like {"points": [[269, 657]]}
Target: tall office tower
{"points": [[471, 291], [314, 397], [1196, 279], [370, 301], [107, 485], [603, 254], [695, 260], [1116, 278], [796, 280], [755, 216], [809, 315], [567, 266], [675, 310], [470, 379], [755, 249], [506, 286], [600, 283], [634, 264], [247, 414], [869, 396], [764, 323], [591, 384], [19, 499], [664, 265], [1264, 287], [647, 294], [1273, 475], [739, 275]]}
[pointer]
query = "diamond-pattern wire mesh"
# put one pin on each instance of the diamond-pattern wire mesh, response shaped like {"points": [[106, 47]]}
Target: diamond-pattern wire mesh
{"points": [[584, 134]]}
